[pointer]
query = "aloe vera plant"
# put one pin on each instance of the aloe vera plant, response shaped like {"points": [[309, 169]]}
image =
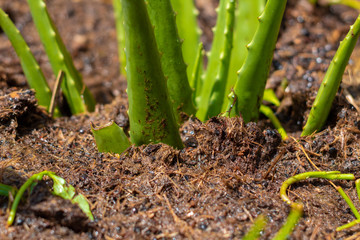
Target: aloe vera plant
{"points": [[158, 86]]}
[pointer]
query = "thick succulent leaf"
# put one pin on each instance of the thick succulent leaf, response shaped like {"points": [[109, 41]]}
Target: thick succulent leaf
{"points": [[169, 44], [152, 118]]}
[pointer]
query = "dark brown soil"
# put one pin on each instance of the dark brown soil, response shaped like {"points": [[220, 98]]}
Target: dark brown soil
{"points": [[228, 174]]}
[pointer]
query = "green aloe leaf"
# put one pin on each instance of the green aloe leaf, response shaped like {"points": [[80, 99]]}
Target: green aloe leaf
{"points": [[77, 94], [6, 190], [189, 31], [267, 111], [110, 138], [246, 23], [196, 80], [214, 57], [152, 118], [162, 17], [218, 90], [331, 82], [249, 88], [120, 34], [31, 68]]}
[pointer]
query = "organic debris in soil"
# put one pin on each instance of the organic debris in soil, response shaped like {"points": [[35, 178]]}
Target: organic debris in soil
{"points": [[229, 172]]}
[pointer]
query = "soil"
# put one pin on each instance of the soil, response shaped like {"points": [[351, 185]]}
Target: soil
{"points": [[228, 174]]}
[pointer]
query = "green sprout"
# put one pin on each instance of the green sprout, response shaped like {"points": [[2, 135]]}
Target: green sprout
{"points": [[60, 188], [332, 175]]}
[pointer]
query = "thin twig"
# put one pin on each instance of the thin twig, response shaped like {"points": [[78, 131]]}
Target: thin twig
{"points": [[55, 92]]}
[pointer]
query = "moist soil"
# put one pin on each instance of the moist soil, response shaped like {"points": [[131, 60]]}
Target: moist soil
{"points": [[229, 172]]}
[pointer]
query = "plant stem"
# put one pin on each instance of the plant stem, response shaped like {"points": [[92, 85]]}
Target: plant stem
{"points": [[255, 230], [293, 218]]}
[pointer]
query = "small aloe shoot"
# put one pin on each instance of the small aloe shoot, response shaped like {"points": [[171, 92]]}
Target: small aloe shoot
{"points": [[188, 29], [60, 188], [31, 68], [332, 175], [218, 89], [151, 114], [214, 60], [331, 82], [77, 94], [351, 205], [246, 23], [267, 111], [249, 88], [110, 138], [162, 17]]}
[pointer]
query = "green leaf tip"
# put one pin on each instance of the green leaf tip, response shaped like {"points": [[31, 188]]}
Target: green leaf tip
{"points": [[110, 138], [331, 82]]}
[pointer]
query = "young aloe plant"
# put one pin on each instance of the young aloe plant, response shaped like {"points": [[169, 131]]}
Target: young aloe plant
{"points": [[331, 82], [77, 94], [151, 114], [156, 70], [31, 68]]}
